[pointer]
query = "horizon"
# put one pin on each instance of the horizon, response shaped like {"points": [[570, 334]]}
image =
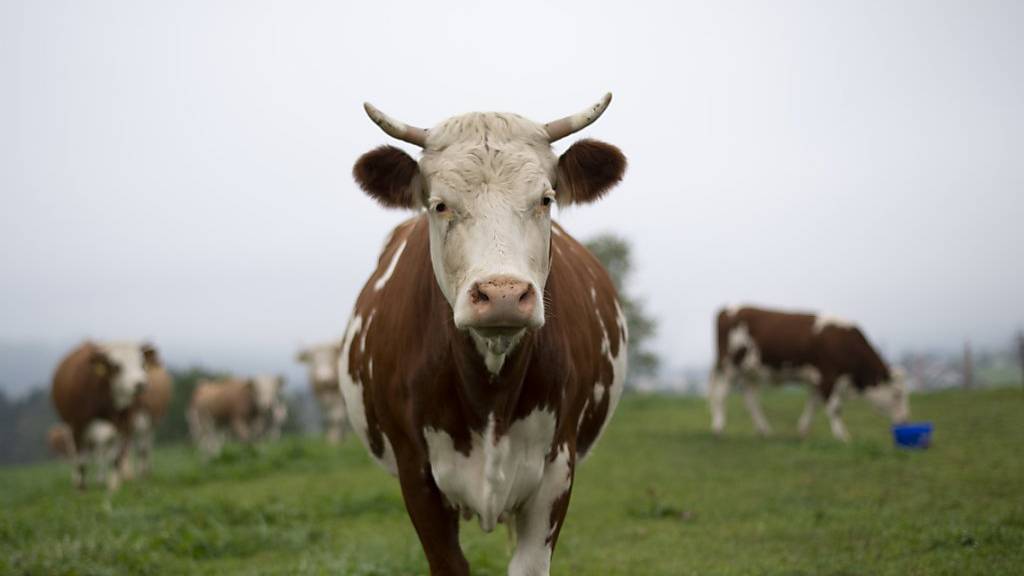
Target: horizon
{"points": [[181, 173]]}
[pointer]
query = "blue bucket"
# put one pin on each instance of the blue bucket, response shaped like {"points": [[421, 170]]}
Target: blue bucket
{"points": [[917, 435]]}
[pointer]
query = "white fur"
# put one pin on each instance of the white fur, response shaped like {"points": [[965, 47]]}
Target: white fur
{"points": [[491, 171], [822, 321], [131, 375], [100, 446], [892, 398], [500, 473], [352, 391], [383, 280], [833, 407], [533, 529]]}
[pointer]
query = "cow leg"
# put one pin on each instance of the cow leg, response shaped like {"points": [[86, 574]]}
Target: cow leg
{"points": [[242, 430], [120, 454], [78, 460], [143, 444], [718, 392], [833, 409], [752, 397], [807, 418], [106, 458], [334, 422], [436, 524], [539, 521]]}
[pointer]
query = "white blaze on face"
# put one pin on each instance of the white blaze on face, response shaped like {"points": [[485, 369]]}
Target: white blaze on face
{"points": [[487, 177], [891, 398], [323, 363], [267, 389], [130, 374]]}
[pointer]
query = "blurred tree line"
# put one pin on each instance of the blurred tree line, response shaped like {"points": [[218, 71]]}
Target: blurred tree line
{"points": [[615, 253]]}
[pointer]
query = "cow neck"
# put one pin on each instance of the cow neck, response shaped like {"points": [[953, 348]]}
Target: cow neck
{"points": [[482, 394]]}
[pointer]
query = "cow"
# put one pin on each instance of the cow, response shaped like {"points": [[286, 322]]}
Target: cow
{"points": [[487, 351], [101, 381], [245, 406], [99, 444], [153, 404], [830, 354], [322, 361]]}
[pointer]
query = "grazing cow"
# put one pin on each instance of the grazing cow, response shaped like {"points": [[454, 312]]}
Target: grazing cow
{"points": [[322, 361], [153, 403], [101, 381], [487, 351], [100, 445], [245, 406], [831, 355]]}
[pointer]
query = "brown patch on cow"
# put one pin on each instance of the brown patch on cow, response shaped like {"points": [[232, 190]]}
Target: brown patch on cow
{"points": [[787, 340], [587, 170], [389, 176]]}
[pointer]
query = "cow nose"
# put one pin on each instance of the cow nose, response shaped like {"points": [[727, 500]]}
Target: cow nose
{"points": [[502, 301]]}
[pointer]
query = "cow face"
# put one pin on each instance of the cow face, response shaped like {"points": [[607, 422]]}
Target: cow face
{"points": [[892, 398], [124, 364], [266, 391], [322, 362], [488, 182]]}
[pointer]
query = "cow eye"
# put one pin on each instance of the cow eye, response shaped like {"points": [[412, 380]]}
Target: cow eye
{"points": [[546, 201], [440, 208]]}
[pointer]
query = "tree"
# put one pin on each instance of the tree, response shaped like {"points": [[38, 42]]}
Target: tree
{"points": [[614, 252]]}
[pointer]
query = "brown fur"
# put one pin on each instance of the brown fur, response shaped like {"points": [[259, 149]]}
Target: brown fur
{"points": [[426, 373], [587, 170], [389, 176], [156, 397]]}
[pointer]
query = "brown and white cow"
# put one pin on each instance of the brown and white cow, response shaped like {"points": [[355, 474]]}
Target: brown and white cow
{"points": [[322, 361], [153, 404], [101, 381], [487, 351], [829, 354], [245, 406]]}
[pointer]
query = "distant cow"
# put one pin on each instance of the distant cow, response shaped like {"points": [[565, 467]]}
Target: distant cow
{"points": [[322, 361], [246, 407], [101, 381], [100, 446], [153, 403], [831, 355], [487, 351]]}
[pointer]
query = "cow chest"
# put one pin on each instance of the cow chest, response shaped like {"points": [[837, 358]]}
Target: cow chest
{"points": [[499, 473]]}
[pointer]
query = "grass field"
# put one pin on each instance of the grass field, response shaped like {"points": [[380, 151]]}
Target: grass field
{"points": [[659, 496]]}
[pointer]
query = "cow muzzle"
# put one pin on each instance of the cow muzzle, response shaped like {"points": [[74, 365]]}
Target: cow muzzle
{"points": [[501, 305]]}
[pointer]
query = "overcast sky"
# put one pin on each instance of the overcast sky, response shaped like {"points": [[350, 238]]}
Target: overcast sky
{"points": [[180, 171]]}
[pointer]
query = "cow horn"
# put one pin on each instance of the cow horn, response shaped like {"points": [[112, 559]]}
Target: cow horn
{"points": [[402, 131], [563, 127]]}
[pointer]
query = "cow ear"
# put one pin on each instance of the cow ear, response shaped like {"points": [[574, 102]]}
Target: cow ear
{"points": [[149, 355], [587, 170], [390, 176]]}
